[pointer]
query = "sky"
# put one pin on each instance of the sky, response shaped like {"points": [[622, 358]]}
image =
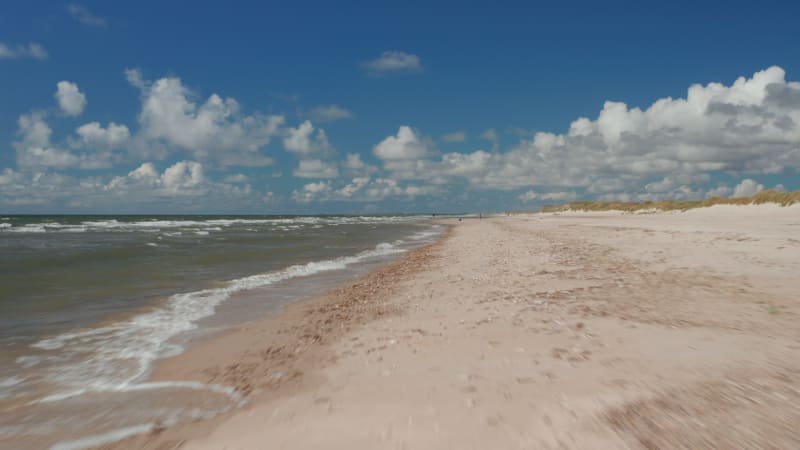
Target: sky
{"points": [[375, 107]]}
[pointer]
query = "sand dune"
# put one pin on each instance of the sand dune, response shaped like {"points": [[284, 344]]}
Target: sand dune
{"points": [[571, 330]]}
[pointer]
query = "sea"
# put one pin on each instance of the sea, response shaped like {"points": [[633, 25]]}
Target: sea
{"points": [[88, 305]]}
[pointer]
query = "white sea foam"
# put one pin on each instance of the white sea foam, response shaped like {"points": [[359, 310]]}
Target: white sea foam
{"points": [[8, 386], [105, 438], [207, 224], [10, 381], [30, 228], [119, 356], [168, 420], [28, 360]]}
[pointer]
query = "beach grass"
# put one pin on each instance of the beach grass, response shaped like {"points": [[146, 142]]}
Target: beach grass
{"points": [[769, 196]]}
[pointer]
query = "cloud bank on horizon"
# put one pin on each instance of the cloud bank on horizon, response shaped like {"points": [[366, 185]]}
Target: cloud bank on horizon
{"points": [[189, 153]]}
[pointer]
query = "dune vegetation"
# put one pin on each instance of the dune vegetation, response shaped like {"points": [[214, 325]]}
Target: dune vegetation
{"points": [[770, 196]]}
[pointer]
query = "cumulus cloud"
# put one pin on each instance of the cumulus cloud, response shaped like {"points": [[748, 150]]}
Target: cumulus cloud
{"points": [[184, 178], [86, 17], [749, 127], [303, 142], [355, 166], [184, 174], [8, 176], [34, 149], [561, 196], [747, 188], [182, 186], [394, 62], [719, 191], [147, 171], [316, 168], [362, 189], [313, 191], [93, 135], [70, 99], [673, 148], [215, 130], [23, 51], [456, 136], [329, 113], [407, 144]]}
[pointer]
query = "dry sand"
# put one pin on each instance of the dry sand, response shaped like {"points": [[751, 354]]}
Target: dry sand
{"points": [[572, 330]]}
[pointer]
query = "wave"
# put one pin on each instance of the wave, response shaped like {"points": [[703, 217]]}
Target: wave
{"points": [[116, 359], [112, 225], [120, 355]]}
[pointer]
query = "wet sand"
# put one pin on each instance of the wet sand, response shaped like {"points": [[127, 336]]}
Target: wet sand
{"points": [[572, 330]]}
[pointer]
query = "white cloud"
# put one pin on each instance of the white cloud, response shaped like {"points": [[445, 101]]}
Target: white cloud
{"points": [[719, 191], [355, 186], [184, 178], [9, 176], [70, 99], [182, 186], [184, 174], [747, 188], [672, 182], [382, 188], [86, 17], [93, 135], [355, 166], [303, 142], [405, 145], [361, 189], [561, 196], [214, 130], [136, 79], [34, 150], [394, 62], [147, 171], [749, 127], [316, 168], [313, 191], [23, 51], [41, 157], [456, 136], [329, 113]]}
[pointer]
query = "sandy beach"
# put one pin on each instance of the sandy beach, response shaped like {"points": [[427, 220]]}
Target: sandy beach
{"points": [[569, 330]]}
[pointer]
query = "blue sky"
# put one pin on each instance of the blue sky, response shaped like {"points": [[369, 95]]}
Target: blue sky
{"points": [[283, 107]]}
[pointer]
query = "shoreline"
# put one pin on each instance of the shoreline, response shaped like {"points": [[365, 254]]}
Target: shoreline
{"points": [[572, 330], [296, 347], [165, 395]]}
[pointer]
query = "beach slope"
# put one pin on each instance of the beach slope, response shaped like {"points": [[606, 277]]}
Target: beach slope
{"points": [[569, 330]]}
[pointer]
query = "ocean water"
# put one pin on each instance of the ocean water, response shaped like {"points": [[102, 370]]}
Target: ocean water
{"points": [[88, 304]]}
